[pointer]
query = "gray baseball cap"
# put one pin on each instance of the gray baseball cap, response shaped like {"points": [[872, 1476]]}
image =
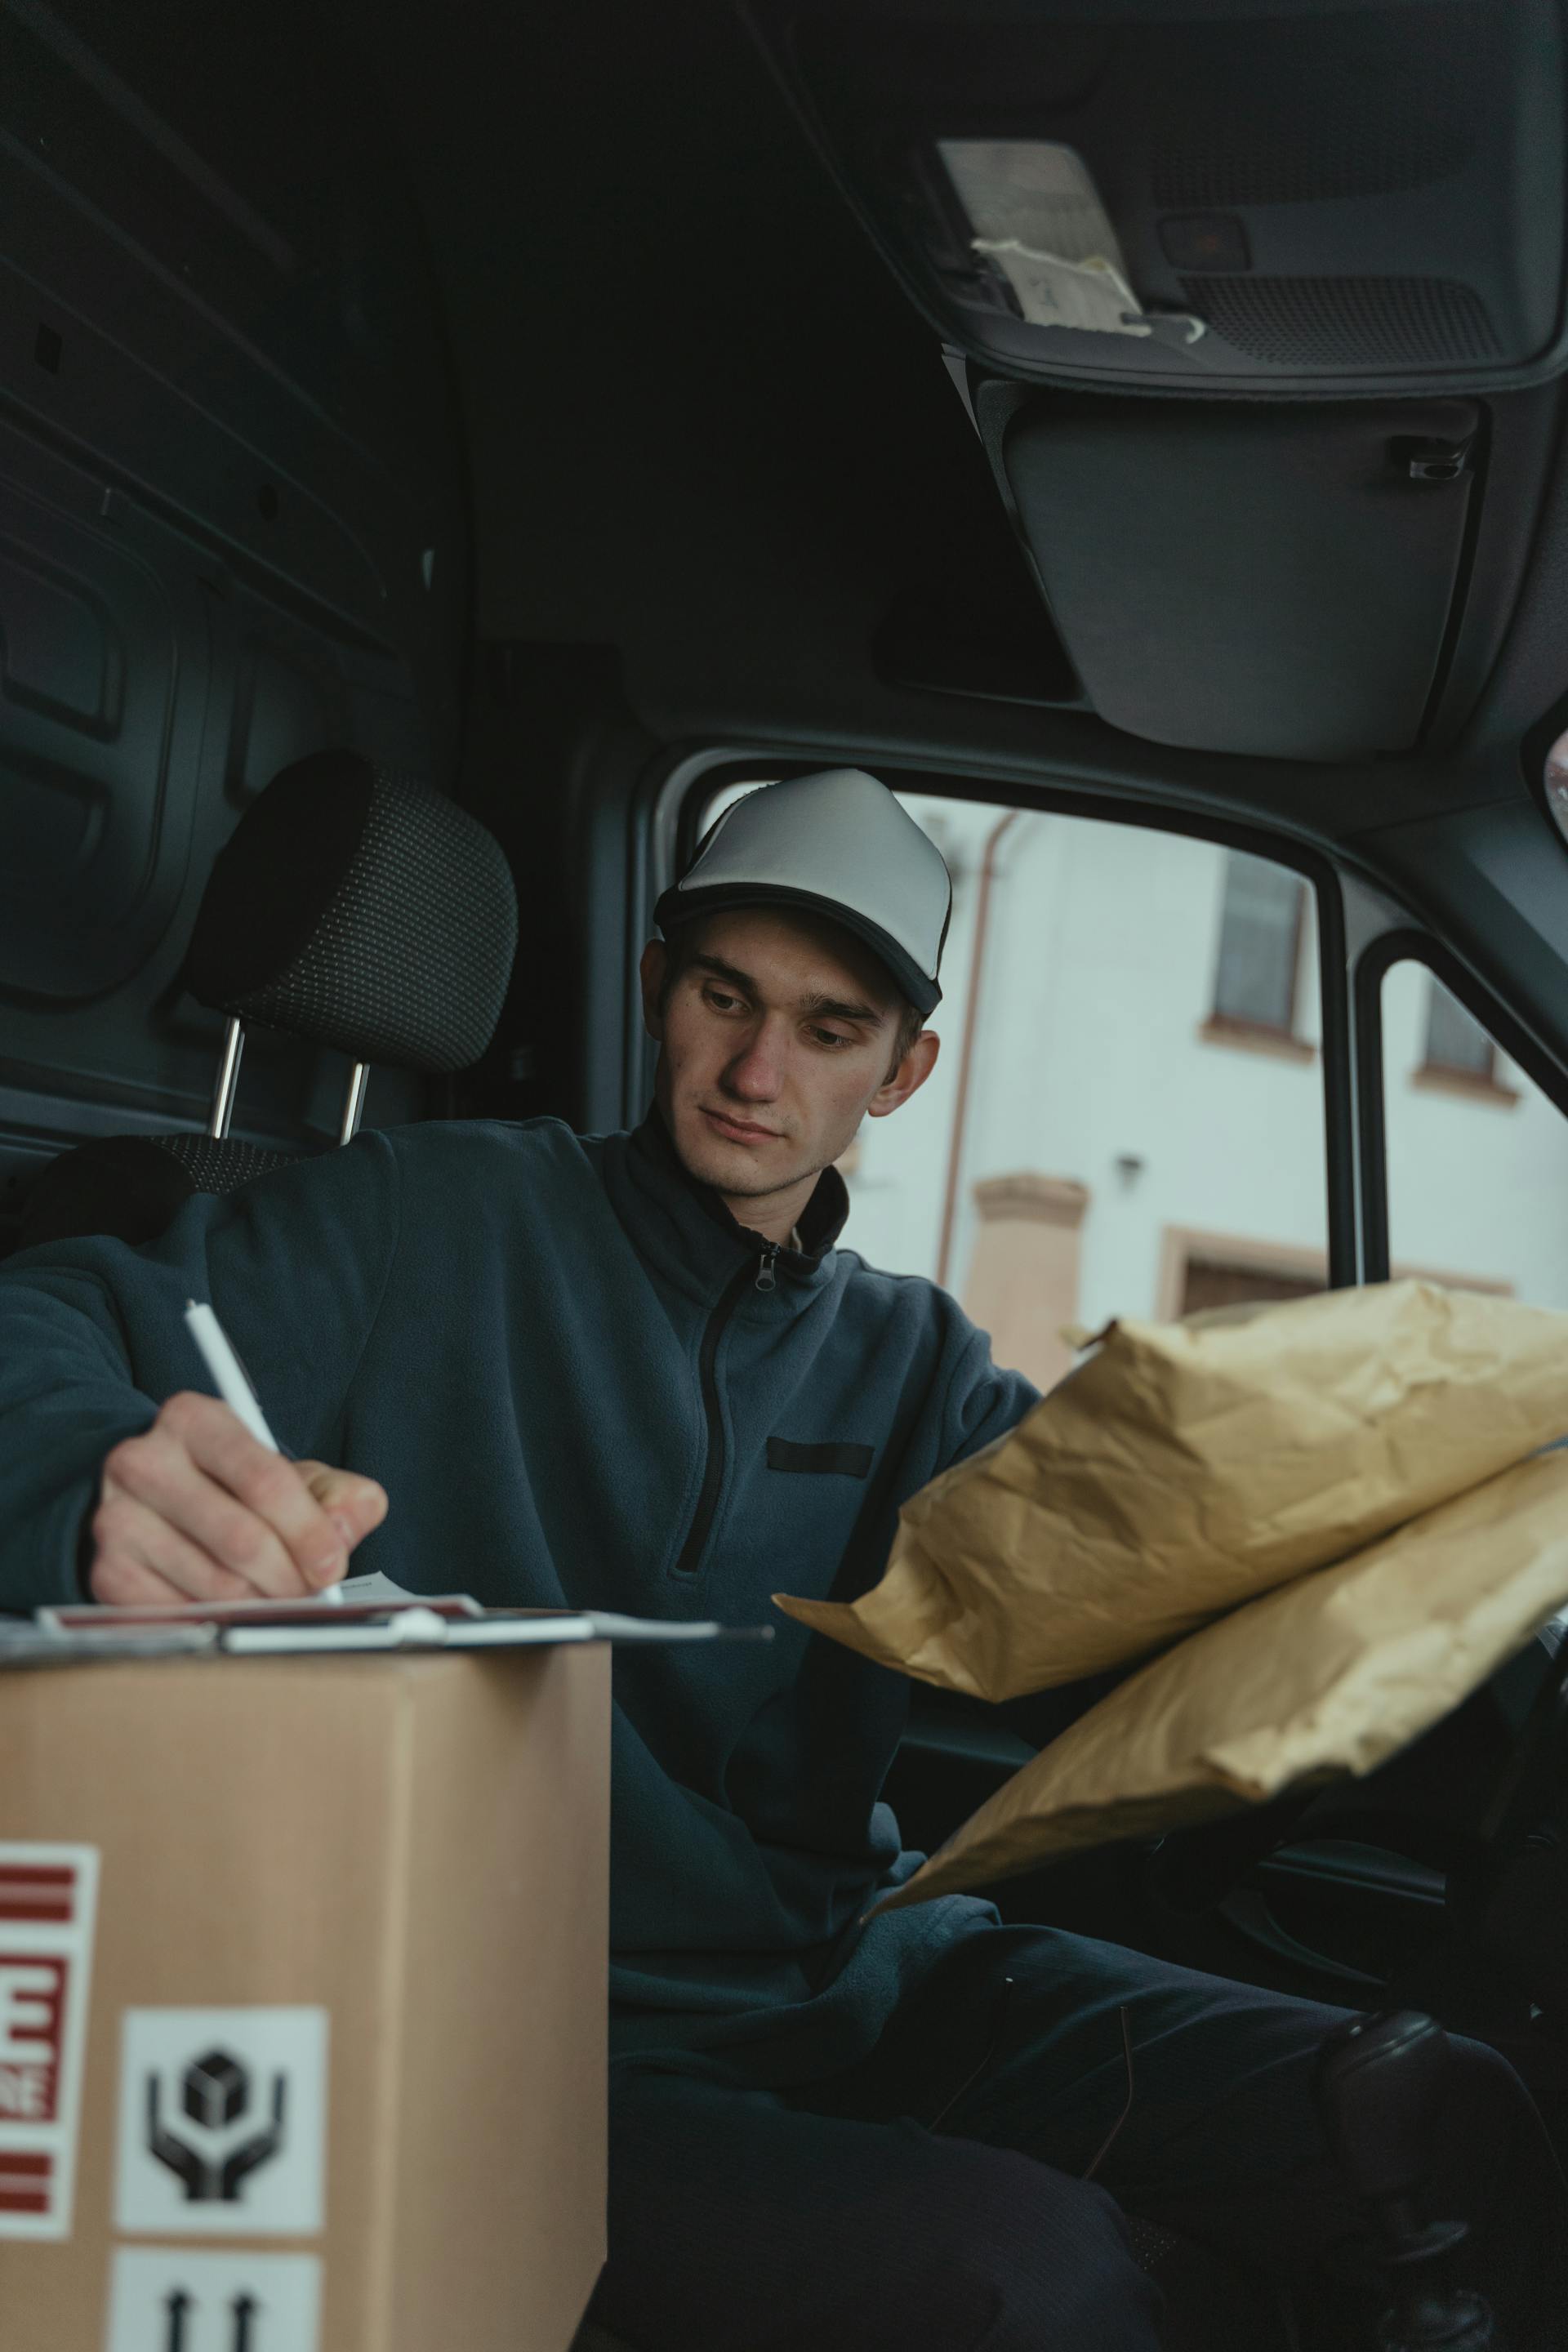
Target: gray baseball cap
{"points": [[838, 845]]}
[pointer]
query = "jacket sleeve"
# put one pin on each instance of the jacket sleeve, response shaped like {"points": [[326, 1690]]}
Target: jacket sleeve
{"points": [[983, 1402], [93, 1339]]}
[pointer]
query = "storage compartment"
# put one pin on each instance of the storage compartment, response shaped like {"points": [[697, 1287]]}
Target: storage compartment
{"points": [[1269, 580]]}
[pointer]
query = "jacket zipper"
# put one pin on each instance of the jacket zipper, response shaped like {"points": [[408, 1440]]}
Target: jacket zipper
{"points": [[707, 1372]]}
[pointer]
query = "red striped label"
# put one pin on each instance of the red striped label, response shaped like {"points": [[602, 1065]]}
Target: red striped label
{"points": [[24, 2181], [46, 1895], [37, 1893]]}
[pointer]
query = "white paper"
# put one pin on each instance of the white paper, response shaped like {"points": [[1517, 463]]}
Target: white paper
{"points": [[375, 1587]]}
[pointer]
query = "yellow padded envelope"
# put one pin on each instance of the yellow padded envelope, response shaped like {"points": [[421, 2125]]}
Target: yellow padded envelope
{"points": [[1185, 1468], [1330, 1676]]}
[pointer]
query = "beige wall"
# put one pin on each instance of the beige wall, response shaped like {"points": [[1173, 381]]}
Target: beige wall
{"points": [[1024, 1275]]}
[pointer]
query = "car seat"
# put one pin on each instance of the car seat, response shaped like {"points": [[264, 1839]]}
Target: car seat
{"points": [[352, 907]]}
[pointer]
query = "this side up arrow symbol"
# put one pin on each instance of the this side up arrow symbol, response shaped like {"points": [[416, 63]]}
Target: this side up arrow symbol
{"points": [[245, 2310], [177, 2305]]}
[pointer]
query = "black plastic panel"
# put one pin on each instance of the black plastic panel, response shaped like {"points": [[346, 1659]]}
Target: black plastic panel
{"points": [[231, 526], [1255, 580], [101, 700]]}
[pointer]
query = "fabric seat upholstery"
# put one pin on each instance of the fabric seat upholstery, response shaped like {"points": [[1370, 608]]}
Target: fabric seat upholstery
{"points": [[130, 1185], [352, 907]]}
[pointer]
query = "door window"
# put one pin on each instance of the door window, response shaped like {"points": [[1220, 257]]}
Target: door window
{"points": [[1476, 1154], [1126, 1117]]}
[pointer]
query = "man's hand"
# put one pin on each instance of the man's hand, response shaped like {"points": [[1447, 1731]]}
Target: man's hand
{"points": [[196, 1510]]}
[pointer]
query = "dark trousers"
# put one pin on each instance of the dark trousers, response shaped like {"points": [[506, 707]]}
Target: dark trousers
{"points": [[933, 2195]]}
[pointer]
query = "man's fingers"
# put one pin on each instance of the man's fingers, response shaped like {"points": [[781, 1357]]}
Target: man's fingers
{"points": [[199, 1504], [271, 1489], [126, 1584], [355, 1503], [156, 1473], [140, 1557]]}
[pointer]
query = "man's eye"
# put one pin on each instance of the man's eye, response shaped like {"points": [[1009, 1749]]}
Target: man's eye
{"points": [[720, 1002], [831, 1037]]}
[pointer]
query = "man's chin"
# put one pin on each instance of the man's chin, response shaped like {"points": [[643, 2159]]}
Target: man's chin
{"points": [[744, 1171]]}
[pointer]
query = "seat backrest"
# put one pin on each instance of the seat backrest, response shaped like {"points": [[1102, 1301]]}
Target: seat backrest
{"points": [[351, 907]]}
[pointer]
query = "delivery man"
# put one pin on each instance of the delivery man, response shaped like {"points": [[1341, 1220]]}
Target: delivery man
{"points": [[635, 1372]]}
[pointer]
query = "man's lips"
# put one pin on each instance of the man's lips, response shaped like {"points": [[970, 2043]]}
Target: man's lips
{"points": [[741, 1130]]}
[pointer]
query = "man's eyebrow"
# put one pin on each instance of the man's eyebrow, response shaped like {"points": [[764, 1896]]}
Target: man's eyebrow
{"points": [[836, 1008], [730, 971]]}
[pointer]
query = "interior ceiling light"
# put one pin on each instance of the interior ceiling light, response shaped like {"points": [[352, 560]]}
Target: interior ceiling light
{"points": [[1034, 213], [1556, 778]]}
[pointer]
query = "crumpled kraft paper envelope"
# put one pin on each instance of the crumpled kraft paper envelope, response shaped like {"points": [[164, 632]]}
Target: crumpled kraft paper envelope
{"points": [[1186, 1467], [1329, 1676]]}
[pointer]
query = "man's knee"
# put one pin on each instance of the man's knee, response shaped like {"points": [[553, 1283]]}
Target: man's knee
{"points": [[1022, 2259]]}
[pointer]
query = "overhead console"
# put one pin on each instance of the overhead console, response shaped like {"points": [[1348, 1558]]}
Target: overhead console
{"points": [[1324, 249], [1261, 196]]}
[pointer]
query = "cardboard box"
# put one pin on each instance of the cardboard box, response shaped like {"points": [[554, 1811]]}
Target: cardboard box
{"points": [[302, 2001]]}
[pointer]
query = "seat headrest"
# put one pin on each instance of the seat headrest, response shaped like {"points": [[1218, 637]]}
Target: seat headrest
{"points": [[355, 906]]}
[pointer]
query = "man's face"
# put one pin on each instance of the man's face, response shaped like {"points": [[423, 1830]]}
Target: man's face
{"points": [[777, 1036]]}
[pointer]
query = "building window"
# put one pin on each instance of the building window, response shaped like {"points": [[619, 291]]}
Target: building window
{"points": [[1212, 1281], [1259, 946], [1199, 1271], [1456, 1042]]}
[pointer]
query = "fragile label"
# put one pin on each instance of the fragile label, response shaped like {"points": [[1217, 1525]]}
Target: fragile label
{"points": [[168, 2299], [223, 2121], [47, 1899]]}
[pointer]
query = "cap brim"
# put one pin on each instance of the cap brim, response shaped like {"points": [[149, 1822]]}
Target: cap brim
{"points": [[678, 906]]}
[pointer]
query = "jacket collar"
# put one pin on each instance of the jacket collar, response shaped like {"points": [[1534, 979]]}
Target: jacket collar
{"points": [[686, 1230]]}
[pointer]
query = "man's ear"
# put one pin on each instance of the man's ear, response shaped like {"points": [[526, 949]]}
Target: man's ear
{"points": [[909, 1077], [650, 971]]}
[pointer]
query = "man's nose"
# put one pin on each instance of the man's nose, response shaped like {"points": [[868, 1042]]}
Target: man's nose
{"points": [[756, 1072]]}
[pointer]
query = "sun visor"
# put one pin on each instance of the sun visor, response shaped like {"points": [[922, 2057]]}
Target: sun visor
{"points": [[1267, 580], [1269, 196]]}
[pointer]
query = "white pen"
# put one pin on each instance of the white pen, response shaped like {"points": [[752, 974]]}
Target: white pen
{"points": [[235, 1390]]}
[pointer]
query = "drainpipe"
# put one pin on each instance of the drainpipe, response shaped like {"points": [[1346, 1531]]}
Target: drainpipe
{"points": [[966, 1051]]}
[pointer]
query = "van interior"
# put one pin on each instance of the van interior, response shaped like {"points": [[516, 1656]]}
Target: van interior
{"points": [[588, 412]]}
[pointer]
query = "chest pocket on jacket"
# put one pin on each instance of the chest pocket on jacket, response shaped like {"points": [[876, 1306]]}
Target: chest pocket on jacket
{"points": [[847, 1461]]}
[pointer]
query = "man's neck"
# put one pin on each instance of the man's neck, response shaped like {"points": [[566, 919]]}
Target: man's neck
{"points": [[774, 1216]]}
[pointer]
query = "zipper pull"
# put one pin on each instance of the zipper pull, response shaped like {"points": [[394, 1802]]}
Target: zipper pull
{"points": [[766, 1279]]}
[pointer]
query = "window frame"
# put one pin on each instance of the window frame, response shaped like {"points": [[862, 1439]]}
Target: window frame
{"points": [[1409, 944], [679, 784]]}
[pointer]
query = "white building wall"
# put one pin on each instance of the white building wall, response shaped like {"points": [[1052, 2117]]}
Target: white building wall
{"points": [[1090, 1063]]}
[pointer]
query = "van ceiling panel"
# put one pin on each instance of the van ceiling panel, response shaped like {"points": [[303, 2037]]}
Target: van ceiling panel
{"points": [[1300, 199], [1256, 580]]}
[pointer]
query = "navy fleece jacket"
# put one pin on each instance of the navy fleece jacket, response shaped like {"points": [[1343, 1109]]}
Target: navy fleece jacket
{"points": [[581, 1383]]}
